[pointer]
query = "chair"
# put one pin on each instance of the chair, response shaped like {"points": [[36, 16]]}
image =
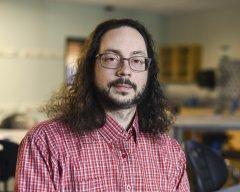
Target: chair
{"points": [[206, 169], [8, 159]]}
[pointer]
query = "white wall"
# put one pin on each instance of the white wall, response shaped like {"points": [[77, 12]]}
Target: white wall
{"points": [[32, 38], [211, 29]]}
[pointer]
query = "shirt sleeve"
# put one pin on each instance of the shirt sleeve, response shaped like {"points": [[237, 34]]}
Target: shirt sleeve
{"points": [[34, 171], [183, 185]]}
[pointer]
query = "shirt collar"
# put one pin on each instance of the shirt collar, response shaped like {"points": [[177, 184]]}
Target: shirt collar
{"points": [[112, 131]]}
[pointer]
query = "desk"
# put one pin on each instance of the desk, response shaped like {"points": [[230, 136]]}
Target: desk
{"points": [[235, 188], [210, 123]]}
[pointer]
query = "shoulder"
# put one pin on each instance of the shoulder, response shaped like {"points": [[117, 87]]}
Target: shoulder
{"points": [[167, 141], [171, 147], [55, 137], [46, 135], [49, 128]]}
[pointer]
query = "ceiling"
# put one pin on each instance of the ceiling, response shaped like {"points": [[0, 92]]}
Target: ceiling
{"points": [[164, 7]]}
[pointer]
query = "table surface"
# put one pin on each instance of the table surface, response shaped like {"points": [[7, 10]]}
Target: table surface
{"points": [[15, 135], [235, 188], [204, 123], [208, 121]]}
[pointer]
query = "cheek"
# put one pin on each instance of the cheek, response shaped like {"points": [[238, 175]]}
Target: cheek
{"points": [[101, 77], [141, 79]]}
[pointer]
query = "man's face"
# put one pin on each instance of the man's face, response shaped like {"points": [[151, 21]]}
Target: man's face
{"points": [[121, 87]]}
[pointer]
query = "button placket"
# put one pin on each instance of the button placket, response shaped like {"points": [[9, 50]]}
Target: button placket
{"points": [[128, 188], [124, 155], [125, 149]]}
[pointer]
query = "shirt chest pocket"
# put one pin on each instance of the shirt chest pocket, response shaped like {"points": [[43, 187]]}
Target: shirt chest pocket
{"points": [[90, 185], [84, 176]]}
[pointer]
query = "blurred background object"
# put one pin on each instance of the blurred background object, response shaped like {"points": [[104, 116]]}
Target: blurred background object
{"points": [[8, 159], [17, 121], [207, 168], [228, 85], [206, 79]]}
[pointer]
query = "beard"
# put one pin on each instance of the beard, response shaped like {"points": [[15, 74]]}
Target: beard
{"points": [[111, 103]]}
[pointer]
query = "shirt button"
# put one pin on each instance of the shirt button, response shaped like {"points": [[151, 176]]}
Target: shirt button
{"points": [[128, 188], [124, 155]]}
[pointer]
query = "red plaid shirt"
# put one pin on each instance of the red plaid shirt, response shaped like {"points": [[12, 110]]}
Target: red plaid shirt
{"points": [[52, 158]]}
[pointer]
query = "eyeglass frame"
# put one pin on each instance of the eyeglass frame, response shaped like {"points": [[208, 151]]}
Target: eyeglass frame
{"points": [[124, 58]]}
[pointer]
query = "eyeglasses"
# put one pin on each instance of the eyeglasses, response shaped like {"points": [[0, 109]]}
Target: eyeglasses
{"points": [[114, 61]]}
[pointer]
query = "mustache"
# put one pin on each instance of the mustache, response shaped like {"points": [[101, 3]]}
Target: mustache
{"points": [[122, 81]]}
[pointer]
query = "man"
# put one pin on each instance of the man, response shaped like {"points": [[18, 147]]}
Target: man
{"points": [[107, 131]]}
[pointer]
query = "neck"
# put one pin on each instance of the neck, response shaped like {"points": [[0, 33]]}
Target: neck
{"points": [[123, 117]]}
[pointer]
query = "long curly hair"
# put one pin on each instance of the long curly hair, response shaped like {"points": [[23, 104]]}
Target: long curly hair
{"points": [[77, 105]]}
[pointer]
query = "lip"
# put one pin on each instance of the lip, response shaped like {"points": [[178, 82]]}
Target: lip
{"points": [[123, 87]]}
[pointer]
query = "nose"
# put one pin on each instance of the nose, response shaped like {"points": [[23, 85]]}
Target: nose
{"points": [[125, 69]]}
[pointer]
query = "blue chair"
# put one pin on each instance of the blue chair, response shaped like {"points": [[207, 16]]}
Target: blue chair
{"points": [[8, 159], [207, 169]]}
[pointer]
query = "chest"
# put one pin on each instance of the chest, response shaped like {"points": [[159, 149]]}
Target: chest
{"points": [[121, 166]]}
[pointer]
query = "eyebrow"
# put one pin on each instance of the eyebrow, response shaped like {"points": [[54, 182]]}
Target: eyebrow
{"points": [[119, 52], [113, 50], [138, 52]]}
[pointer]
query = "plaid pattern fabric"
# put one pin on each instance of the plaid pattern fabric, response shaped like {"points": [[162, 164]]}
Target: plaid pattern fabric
{"points": [[52, 158]]}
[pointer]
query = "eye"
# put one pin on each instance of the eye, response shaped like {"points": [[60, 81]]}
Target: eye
{"points": [[138, 60], [109, 58]]}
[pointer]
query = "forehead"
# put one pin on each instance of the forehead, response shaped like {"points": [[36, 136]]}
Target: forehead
{"points": [[125, 39]]}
